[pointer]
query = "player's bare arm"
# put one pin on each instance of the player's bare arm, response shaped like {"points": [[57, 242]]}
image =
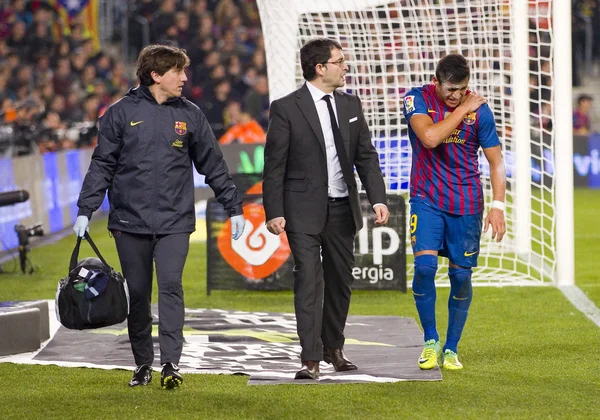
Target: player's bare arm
{"points": [[433, 134], [495, 217]]}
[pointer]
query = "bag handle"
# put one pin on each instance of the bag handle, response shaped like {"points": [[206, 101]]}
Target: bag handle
{"points": [[75, 254]]}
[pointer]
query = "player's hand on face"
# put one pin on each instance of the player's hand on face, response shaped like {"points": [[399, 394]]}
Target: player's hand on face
{"points": [[473, 101], [495, 219], [276, 225], [382, 214]]}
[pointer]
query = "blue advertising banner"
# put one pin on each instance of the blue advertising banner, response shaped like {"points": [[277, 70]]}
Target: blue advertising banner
{"points": [[51, 184], [73, 162], [594, 161]]}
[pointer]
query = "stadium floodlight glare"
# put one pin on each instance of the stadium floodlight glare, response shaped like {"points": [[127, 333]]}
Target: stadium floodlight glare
{"points": [[520, 61]]}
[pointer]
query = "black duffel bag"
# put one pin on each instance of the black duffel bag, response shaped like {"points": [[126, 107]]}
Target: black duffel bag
{"points": [[93, 295]]}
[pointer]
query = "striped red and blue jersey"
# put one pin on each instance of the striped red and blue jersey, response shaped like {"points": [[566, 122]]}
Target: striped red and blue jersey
{"points": [[447, 176]]}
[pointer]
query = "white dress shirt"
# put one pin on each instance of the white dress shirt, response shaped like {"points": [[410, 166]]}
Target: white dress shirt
{"points": [[336, 186]]}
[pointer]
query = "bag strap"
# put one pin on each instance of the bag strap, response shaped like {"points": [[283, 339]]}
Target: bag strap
{"points": [[75, 254]]}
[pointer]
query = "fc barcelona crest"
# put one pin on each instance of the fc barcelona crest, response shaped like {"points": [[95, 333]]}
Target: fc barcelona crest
{"points": [[470, 118], [180, 128]]}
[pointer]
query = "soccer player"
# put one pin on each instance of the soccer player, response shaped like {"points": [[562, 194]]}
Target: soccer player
{"points": [[447, 124]]}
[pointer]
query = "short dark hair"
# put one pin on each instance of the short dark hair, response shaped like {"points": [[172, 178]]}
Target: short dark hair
{"points": [[582, 98], [452, 68], [316, 51], [160, 59]]}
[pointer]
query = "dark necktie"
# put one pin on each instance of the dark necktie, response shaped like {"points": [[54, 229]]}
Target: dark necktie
{"points": [[347, 170]]}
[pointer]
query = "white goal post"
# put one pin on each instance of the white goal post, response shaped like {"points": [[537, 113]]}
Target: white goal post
{"points": [[520, 57]]}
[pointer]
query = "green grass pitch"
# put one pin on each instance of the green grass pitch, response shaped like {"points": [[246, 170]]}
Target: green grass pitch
{"points": [[528, 353]]}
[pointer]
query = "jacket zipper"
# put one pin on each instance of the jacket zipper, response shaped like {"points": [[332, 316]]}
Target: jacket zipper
{"points": [[156, 147]]}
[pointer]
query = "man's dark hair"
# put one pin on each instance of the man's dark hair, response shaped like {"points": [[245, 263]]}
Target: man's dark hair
{"points": [[452, 68], [160, 59], [316, 51], [582, 98]]}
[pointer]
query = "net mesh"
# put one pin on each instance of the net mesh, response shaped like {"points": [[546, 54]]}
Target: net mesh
{"points": [[394, 46]]}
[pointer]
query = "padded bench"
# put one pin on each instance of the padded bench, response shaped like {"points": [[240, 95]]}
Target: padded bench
{"points": [[23, 326]]}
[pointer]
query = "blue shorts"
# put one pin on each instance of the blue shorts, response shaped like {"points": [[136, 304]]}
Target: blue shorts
{"points": [[454, 236]]}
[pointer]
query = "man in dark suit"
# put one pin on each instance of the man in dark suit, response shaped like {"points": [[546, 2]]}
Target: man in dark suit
{"points": [[316, 136]]}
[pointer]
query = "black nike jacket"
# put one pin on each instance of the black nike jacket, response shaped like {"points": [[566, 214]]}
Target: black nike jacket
{"points": [[144, 159]]}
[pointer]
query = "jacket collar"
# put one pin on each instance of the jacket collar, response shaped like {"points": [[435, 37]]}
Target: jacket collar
{"points": [[143, 92]]}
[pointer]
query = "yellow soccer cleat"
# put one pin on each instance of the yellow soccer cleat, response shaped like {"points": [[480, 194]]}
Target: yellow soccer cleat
{"points": [[430, 354], [450, 360]]}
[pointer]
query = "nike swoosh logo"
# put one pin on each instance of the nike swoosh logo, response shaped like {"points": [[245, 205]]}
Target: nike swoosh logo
{"points": [[135, 123], [468, 254], [432, 111], [456, 298]]}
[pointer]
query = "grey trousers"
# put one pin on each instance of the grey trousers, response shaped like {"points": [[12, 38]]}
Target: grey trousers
{"points": [[138, 254]]}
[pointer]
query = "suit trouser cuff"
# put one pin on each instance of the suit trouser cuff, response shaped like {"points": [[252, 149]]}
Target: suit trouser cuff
{"points": [[314, 356]]}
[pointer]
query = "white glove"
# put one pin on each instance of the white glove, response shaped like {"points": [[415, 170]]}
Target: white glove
{"points": [[81, 226], [237, 226]]}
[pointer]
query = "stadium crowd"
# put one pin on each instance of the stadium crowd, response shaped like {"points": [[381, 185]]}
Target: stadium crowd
{"points": [[55, 82]]}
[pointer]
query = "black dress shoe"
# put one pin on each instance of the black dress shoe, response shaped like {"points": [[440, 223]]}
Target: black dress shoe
{"points": [[310, 370], [338, 359]]}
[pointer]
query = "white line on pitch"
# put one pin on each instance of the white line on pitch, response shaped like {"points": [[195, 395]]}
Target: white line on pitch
{"points": [[581, 302]]}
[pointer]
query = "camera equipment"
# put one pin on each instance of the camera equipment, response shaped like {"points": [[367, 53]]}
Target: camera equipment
{"points": [[24, 233], [13, 197]]}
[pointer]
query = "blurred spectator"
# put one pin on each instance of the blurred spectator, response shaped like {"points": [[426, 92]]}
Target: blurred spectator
{"points": [[20, 13], [23, 76], [581, 116], [118, 80], [4, 50], [76, 37], [259, 61], [207, 28], [103, 65], [197, 9], [48, 137], [585, 15], [58, 105], [43, 72], [40, 42], [162, 19], [242, 127], [8, 112], [225, 11], [145, 8], [85, 84], [184, 34], [17, 41], [214, 104], [78, 61], [256, 101], [73, 111], [46, 92], [200, 48], [62, 77], [25, 129], [247, 81], [89, 130], [201, 72], [63, 50]]}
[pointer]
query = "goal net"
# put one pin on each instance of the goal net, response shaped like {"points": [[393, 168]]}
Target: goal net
{"points": [[392, 46]]}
